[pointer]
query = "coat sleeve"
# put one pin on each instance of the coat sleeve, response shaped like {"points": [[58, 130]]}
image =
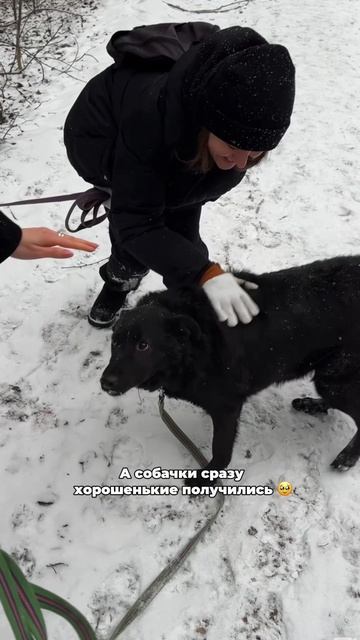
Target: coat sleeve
{"points": [[10, 236], [137, 221]]}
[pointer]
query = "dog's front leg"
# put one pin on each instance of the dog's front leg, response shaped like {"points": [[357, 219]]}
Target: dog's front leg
{"points": [[224, 424]]}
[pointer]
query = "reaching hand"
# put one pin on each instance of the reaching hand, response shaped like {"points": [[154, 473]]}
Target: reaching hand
{"points": [[40, 242]]}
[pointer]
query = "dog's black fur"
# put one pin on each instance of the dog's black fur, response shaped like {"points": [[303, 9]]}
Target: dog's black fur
{"points": [[308, 322]]}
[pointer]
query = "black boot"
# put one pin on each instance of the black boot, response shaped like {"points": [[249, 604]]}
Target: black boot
{"points": [[107, 304]]}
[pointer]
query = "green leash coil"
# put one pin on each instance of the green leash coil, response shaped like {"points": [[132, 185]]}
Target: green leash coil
{"points": [[23, 601]]}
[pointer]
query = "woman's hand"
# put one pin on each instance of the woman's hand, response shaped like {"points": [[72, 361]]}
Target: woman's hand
{"points": [[230, 301], [40, 242]]}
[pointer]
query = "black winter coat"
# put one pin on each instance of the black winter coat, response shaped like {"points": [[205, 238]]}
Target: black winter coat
{"points": [[10, 236], [123, 131]]}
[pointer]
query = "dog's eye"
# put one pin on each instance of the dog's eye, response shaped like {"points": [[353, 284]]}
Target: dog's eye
{"points": [[142, 345]]}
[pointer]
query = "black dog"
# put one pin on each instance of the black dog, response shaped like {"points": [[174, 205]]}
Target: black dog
{"points": [[308, 322]]}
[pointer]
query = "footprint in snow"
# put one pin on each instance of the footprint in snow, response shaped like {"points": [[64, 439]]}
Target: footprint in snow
{"points": [[116, 594], [92, 366]]}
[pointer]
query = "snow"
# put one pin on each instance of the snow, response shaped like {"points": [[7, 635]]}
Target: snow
{"points": [[270, 567]]}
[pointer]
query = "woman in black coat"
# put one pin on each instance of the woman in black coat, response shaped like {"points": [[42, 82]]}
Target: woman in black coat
{"points": [[163, 142]]}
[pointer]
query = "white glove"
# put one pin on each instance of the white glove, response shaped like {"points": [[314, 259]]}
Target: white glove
{"points": [[229, 300]]}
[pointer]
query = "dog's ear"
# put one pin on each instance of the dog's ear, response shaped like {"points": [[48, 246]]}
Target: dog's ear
{"points": [[181, 325]]}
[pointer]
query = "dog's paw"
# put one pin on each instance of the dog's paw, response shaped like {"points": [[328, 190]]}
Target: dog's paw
{"points": [[340, 466], [312, 406], [344, 461]]}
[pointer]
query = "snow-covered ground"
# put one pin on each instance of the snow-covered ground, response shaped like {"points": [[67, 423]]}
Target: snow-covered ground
{"points": [[270, 568]]}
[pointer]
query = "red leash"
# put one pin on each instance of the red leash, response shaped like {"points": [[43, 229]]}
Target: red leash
{"points": [[70, 196], [88, 201]]}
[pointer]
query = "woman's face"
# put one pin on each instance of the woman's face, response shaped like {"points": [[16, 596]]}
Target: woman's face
{"points": [[227, 157]]}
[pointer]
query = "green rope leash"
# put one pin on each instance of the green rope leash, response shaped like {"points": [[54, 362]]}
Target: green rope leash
{"points": [[22, 602]]}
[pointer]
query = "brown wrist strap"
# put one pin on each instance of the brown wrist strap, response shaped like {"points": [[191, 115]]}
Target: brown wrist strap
{"points": [[213, 271]]}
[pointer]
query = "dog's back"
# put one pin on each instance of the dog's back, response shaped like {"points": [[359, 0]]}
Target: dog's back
{"points": [[307, 312]]}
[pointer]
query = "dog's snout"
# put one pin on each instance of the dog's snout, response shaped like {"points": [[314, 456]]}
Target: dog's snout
{"points": [[109, 382]]}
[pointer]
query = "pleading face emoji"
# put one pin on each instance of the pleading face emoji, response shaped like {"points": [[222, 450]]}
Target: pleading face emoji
{"points": [[285, 488]]}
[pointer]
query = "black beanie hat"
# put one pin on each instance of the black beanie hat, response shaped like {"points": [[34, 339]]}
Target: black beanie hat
{"points": [[247, 89]]}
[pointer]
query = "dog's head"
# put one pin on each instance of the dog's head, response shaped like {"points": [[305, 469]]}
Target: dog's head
{"points": [[148, 342]]}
